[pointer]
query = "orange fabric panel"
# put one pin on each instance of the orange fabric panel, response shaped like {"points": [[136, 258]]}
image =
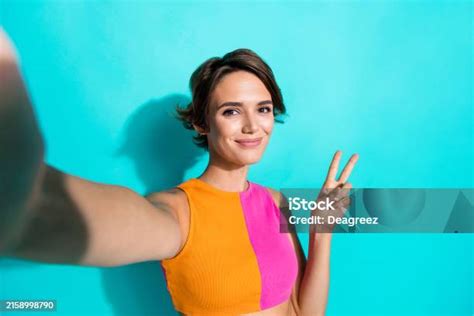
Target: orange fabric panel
{"points": [[217, 269]]}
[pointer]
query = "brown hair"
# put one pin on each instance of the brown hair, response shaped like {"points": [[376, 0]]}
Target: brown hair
{"points": [[206, 77]]}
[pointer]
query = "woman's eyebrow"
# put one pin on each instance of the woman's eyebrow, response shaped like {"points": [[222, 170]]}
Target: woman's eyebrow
{"points": [[230, 103]]}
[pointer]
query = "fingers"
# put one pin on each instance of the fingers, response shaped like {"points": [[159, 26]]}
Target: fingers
{"points": [[347, 186], [341, 192], [346, 200], [346, 172], [339, 195], [333, 167]]}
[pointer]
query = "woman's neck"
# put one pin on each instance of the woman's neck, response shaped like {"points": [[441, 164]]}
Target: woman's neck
{"points": [[225, 178]]}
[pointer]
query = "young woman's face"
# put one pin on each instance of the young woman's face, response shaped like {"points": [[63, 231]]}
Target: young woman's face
{"points": [[240, 119]]}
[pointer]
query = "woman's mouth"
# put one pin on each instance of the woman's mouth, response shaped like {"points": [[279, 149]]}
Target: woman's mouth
{"points": [[249, 143]]}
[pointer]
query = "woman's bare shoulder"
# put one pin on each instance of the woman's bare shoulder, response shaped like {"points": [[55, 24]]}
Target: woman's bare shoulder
{"points": [[277, 196], [173, 200]]}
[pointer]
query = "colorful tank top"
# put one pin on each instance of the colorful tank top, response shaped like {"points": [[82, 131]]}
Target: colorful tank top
{"points": [[235, 260]]}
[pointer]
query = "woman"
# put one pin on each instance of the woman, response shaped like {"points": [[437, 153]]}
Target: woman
{"points": [[216, 236]]}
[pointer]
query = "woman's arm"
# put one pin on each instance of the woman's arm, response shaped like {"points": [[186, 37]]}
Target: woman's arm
{"points": [[314, 287], [50, 216], [313, 294], [21, 145], [76, 221]]}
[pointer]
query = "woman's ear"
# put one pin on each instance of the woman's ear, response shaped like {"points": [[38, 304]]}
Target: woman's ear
{"points": [[199, 129]]}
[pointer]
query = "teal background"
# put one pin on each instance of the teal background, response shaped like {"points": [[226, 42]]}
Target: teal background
{"points": [[390, 80]]}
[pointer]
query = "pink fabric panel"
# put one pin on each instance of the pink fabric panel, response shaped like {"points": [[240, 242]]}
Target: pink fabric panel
{"points": [[274, 251]]}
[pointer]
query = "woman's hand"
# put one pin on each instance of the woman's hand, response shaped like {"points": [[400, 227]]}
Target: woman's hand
{"points": [[7, 52], [334, 190]]}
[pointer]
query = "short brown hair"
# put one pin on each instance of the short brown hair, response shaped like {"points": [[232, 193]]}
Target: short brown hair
{"points": [[206, 77]]}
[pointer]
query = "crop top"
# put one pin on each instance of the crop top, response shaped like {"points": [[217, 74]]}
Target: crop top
{"points": [[235, 260]]}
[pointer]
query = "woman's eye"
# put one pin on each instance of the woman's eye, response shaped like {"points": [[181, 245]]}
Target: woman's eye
{"points": [[230, 112], [265, 109]]}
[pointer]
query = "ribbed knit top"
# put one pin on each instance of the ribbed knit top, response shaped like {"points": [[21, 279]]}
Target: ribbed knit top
{"points": [[235, 260]]}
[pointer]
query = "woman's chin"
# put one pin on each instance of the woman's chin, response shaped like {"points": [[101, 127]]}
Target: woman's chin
{"points": [[242, 157], [248, 159]]}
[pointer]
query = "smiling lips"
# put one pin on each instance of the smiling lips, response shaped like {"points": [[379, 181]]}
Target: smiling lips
{"points": [[249, 143]]}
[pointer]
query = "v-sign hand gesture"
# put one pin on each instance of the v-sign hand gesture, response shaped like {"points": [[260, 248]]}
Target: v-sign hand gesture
{"points": [[336, 190]]}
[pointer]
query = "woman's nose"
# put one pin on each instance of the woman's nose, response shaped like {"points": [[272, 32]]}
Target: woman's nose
{"points": [[250, 124]]}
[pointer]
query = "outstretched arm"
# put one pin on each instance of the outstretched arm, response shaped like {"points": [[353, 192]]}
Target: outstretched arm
{"points": [[51, 216], [21, 146]]}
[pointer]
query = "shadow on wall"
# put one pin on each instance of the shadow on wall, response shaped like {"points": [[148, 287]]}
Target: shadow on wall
{"points": [[158, 144], [161, 150]]}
